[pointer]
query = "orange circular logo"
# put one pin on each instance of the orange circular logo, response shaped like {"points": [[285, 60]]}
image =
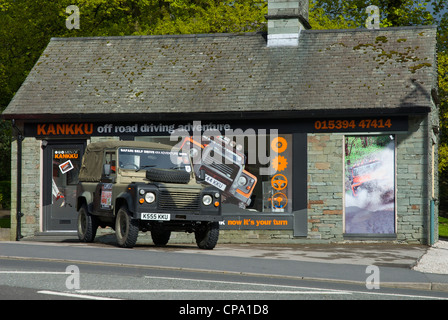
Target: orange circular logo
{"points": [[279, 144]]}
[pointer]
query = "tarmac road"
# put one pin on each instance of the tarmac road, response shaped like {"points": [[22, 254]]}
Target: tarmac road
{"points": [[230, 271], [47, 280]]}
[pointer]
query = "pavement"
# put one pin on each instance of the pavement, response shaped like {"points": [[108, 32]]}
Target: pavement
{"points": [[399, 265]]}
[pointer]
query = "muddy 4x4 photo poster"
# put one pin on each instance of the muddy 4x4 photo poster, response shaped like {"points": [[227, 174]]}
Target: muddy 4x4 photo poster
{"points": [[370, 184]]}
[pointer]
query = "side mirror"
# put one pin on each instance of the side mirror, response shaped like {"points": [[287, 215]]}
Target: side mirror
{"points": [[106, 169]]}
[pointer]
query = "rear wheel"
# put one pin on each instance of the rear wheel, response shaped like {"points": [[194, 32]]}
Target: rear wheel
{"points": [[126, 228], [87, 225], [207, 235]]}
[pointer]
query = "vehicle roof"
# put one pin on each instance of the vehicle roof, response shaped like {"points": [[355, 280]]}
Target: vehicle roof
{"points": [[92, 161], [112, 144]]}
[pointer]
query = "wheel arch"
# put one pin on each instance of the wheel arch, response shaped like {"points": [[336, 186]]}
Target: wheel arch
{"points": [[85, 198], [124, 198]]}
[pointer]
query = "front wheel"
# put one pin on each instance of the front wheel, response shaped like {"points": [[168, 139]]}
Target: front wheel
{"points": [[87, 225], [207, 235], [126, 228]]}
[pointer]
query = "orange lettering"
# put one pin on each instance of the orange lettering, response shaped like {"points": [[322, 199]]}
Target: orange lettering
{"points": [[69, 129], [41, 129], [60, 129], [78, 129], [51, 130], [45, 129], [87, 130]]}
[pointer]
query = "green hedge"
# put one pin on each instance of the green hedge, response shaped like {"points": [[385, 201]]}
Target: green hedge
{"points": [[5, 222], [5, 194]]}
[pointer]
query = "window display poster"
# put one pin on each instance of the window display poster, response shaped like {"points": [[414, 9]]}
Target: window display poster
{"points": [[254, 171], [370, 184]]}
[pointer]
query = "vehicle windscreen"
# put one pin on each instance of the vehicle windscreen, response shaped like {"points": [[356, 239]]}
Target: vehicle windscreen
{"points": [[142, 159]]}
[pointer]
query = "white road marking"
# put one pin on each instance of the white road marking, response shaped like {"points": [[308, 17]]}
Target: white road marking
{"points": [[247, 284], [328, 291], [314, 292], [206, 291], [74, 295], [399, 295], [305, 290], [33, 272]]}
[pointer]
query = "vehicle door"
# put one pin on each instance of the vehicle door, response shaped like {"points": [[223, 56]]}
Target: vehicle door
{"points": [[103, 197]]}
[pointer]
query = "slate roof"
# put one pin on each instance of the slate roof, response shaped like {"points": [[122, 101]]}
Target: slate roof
{"points": [[391, 70]]}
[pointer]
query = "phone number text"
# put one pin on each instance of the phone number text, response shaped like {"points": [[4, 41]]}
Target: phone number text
{"points": [[353, 124]]}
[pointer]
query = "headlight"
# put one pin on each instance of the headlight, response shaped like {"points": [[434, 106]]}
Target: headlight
{"points": [[242, 181], [150, 197], [207, 200]]}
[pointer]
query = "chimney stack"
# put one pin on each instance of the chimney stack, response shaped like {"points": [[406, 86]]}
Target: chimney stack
{"points": [[286, 18]]}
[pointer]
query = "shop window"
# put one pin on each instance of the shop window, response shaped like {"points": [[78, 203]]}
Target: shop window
{"points": [[370, 184], [254, 172]]}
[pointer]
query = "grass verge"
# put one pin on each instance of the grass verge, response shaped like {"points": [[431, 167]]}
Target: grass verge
{"points": [[443, 227]]}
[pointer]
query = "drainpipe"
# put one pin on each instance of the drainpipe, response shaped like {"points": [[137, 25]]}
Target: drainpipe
{"points": [[431, 223], [435, 131], [19, 213]]}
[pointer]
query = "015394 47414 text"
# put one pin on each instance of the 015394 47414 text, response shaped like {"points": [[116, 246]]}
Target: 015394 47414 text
{"points": [[350, 124]]}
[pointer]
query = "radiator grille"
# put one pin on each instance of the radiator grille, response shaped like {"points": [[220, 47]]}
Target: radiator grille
{"points": [[179, 201], [228, 170]]}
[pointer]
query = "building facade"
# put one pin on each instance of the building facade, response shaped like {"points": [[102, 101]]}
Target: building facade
{"points": [[332, 134]]}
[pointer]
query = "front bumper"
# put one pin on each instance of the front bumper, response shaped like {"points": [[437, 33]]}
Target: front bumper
{"points": [[177, 217]]}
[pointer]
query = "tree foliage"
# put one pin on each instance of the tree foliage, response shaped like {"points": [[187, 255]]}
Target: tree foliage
{"points": [[26, 27], [329, 14], [392, 12]]}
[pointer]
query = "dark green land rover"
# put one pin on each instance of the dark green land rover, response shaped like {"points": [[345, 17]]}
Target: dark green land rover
{"points": [[136, 186]]}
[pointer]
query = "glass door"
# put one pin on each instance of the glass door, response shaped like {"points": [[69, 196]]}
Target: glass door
{"points": [[62, 162]]}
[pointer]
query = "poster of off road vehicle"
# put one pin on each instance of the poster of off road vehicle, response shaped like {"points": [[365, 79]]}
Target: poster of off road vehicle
{"points": [[370, 184]]}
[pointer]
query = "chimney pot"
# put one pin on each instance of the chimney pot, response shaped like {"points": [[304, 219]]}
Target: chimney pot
{"points": [[286, 18]]}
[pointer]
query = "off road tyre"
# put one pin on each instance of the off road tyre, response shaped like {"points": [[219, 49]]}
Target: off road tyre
{"points": [[207, 235], [168, 175], [160, 237], [126, 228], [87, 225]]}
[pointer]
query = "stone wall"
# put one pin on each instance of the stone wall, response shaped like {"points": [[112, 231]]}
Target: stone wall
{"points": [[31, 187], [325, 190], [325, 186], [413, 184]]}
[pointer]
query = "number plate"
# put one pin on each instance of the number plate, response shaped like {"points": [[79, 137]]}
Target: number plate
{"points": [[156, 216], [214, 182]]}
